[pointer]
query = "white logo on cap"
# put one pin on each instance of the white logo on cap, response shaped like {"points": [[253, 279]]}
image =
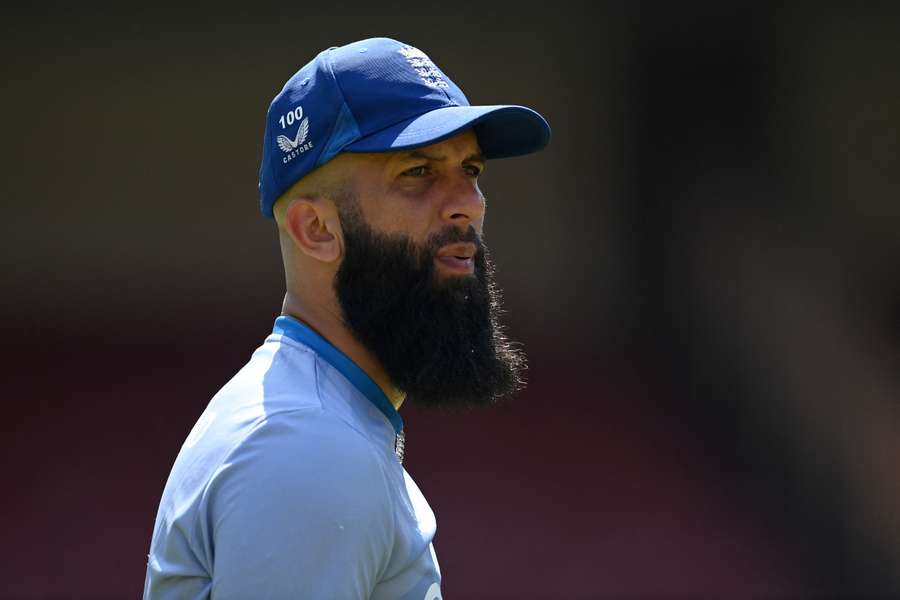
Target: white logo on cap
{"points": [[297, 146], [427, 70]]}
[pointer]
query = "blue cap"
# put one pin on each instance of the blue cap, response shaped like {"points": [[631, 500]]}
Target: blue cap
{"points": [[378, 95]]}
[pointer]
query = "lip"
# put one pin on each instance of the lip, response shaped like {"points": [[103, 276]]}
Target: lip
{"points": [[461, 250], [457, 258]]}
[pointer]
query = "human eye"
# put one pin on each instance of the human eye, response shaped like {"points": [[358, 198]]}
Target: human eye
{"points": [[418, 171], [474, 169]]}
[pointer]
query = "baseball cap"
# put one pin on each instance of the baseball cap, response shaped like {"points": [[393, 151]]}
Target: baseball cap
{"points": [[378, 95]]}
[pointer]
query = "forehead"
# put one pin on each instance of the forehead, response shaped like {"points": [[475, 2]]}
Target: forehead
{"points": [[462, 144], [458, 148]]}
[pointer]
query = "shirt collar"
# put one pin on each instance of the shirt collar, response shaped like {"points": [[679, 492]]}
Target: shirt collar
{"points": [[300, 332]]}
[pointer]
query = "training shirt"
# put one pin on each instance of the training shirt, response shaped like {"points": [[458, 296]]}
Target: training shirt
{"points": [[288, 486]]}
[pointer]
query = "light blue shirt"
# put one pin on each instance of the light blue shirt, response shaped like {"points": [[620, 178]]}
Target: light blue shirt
{"points": [[288, 487]]}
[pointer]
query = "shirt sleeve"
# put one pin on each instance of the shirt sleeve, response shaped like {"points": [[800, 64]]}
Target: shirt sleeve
{"points": [[300, 510]]}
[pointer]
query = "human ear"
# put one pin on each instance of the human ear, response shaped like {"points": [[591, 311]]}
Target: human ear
{"points": [[313, 228]]}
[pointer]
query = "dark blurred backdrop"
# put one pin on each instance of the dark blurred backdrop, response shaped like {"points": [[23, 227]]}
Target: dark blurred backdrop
{"points": [[704, 267]]}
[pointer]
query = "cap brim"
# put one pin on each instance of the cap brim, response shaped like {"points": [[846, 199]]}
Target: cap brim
{"points": [[502, 130]]}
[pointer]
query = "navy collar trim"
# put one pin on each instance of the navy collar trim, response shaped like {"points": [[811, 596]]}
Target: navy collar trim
{"points": [[300, 332]]}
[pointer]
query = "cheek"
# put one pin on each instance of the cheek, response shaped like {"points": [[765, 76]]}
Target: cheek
{"points": [[479, 222], [413, 221]]}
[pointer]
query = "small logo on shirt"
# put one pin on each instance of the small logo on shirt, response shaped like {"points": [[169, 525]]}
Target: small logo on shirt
{"points": [[294, 147]]}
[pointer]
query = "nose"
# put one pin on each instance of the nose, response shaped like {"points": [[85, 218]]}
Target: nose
{"points": [[464, 204]]}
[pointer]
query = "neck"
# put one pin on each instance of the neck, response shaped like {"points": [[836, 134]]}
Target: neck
{"points": [[327, 322]]}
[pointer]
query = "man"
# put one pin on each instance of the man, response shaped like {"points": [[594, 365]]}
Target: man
{"points": [[291, 485]]}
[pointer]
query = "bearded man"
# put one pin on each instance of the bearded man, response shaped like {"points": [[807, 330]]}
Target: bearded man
{"points": [[291, 483]]}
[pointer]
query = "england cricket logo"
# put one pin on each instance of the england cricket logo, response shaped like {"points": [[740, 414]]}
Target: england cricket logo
{"points": [[298, 145], [424, 68]]}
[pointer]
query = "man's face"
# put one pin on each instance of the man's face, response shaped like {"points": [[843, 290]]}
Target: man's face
{"points": [[415, 284], [419, 193]]}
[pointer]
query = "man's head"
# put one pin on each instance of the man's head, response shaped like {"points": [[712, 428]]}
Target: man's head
{"points": [[381, 219], [378, 95]]}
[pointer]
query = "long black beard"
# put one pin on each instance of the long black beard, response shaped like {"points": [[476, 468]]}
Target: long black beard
{"points": [[439, 341]]}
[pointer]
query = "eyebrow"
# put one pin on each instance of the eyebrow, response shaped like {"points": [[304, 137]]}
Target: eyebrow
{"points": [[474, 157]]}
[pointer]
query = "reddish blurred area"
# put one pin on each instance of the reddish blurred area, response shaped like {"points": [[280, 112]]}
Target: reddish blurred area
{"points": [[703, 267], [581, 488]]}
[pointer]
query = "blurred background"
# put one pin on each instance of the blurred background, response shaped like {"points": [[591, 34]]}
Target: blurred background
{"points": [[704, 267]]}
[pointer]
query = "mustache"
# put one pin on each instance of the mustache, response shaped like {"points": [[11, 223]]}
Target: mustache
{"points": [[452, 235]]}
